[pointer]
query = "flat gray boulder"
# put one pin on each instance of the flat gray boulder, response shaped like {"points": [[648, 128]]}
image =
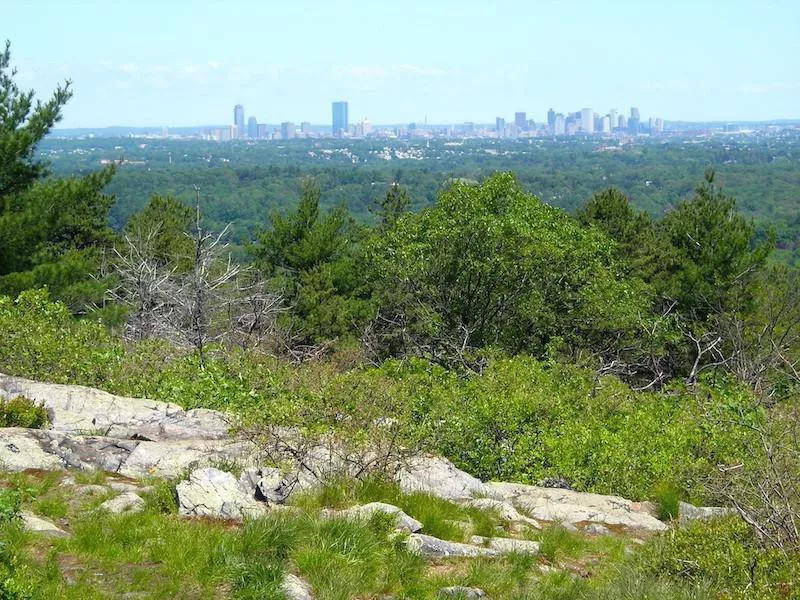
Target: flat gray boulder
{"points": [[576, 508], [210, 492], [172, 458], [127, 502], [505, 510], [35, 524], [21, 450], [461, 591], [431, 547], [506, 545], [402, 521], [79, 409], [295, 588], [438, 476], [689, 512]]}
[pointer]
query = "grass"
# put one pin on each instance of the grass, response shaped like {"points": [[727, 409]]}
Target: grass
{"points": [[439, 517], [158, 554]]}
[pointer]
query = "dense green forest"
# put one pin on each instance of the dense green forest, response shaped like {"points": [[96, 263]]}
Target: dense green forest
{"points": [[242, 182], [612, 319]]}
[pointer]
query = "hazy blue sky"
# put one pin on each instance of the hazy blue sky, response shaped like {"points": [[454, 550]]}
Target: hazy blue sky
{"points": [[175, 62]]}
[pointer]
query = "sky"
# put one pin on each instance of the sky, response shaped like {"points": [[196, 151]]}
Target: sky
{"points": [[179, 63]]}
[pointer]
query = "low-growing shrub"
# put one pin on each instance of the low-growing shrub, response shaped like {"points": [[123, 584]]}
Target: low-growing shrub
{"points": [[22, 412], [9, 505], [724, 553]]}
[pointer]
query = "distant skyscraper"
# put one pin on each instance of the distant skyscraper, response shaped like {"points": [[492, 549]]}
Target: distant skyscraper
{"points": [[633, 122], [587, 120], [612, 117], [521, 121], [341, 121], [500, 126], [252, 128], [263, 131], [605, 124], [551, 119], [288, 130], [305, 128], [559, 126], [622, 122], [238, 118]]}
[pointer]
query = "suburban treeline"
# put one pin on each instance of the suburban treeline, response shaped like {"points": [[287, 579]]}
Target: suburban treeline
{"points": [[657, 358], [241, 181]]}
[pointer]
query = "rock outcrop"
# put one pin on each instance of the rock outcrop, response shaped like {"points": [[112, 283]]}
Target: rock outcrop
{"points": [[402, 521], [41, 526], [210, 492], [431, 547], [438, 476], [84, 410], [95, 430], [22, 449], [126, 502], [576, 508]]}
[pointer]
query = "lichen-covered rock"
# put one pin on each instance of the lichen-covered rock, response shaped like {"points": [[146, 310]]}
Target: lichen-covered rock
{"points": [[127, 502], [505, 510], [431, 547], [269, 484], [461, 591], [689, 512], [439, 477], [507, 545], [79, 409], [402, 521], [22, 449], [210, 492], [42, 526], [567, 506], [295, 588]]}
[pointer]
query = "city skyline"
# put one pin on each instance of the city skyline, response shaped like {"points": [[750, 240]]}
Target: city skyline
{"points": [[583, 122], [175, 64]]}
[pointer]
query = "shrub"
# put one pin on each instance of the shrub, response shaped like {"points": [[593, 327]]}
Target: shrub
{"points": [[9, 505], [725, 553], [22, 412]]}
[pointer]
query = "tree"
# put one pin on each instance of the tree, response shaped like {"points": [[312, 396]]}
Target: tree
{"points": [[24, 125], [610, 211], [180, 285], [391, 207], [312, 260], [705, 249], [53, 231], [164, 226], [490, 265]]}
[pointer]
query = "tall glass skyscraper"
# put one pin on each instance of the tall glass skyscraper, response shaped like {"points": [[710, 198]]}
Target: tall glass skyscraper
{"points": [[341, 121], [238, 119]]}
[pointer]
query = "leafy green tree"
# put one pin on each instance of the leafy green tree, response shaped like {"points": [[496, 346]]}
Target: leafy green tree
{"points": [[53, 231], [491, 265]]}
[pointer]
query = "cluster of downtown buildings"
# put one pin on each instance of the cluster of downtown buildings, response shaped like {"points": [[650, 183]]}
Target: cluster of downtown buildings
{"points": [[583, 122]]}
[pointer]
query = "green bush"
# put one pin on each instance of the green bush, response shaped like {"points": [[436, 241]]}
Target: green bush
{"points": [[9, 505], [22, 412], [726, 554]]}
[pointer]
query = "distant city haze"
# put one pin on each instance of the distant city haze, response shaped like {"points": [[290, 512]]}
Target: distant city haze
{"points": [[183, 63]]}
